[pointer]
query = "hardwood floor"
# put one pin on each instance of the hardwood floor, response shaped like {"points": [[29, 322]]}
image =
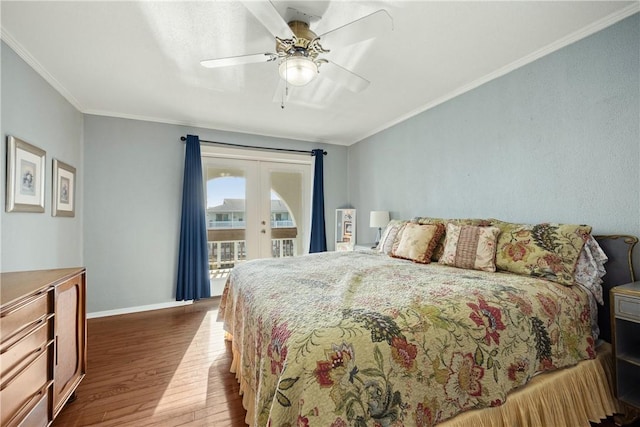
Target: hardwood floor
{"points": [[160, 368]]}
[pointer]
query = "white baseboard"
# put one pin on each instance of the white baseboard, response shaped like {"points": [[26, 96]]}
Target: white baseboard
{"points": [[138, 309]]}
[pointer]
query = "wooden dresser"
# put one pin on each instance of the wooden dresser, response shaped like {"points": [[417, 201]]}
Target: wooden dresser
{"points": [[42, 343]]}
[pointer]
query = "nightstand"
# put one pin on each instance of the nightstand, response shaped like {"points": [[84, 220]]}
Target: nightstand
{"points": [[625, 326], [362, 246]]}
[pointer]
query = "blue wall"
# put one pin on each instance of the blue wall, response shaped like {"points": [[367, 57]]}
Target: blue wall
{"points": [[556, 140], [132, 201], [36, 113]]}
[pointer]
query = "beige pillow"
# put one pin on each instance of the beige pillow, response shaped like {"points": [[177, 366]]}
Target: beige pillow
{"points": [[471, 247], [417, 242]]}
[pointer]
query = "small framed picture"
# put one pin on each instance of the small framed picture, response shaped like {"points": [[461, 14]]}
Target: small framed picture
{"points": [[347, 228], [25, 176], [64, 189]]}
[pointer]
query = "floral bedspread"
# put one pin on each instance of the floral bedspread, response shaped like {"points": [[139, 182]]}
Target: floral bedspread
{"points": [[362, 339]]}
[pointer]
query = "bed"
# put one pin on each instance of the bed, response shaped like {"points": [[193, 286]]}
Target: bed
{"points": [[411, 335]]}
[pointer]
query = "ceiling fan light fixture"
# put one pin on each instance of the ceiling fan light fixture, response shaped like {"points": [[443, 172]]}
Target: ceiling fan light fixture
{"points": [[298, 70]]}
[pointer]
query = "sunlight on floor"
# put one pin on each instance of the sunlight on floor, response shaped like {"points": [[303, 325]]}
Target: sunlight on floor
{"points": [[220, 273], [190, 382]]}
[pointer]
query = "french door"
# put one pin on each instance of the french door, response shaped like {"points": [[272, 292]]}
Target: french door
{"points": [[258, 206]]}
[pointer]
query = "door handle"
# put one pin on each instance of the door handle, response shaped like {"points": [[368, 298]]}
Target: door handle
{"points": [[263, 231]]}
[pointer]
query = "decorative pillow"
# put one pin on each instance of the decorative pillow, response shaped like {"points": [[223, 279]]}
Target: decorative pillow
{"points": [[590, 268], [417, 242], [437, 252], [546, 250], [470, 246], [390, 234]]}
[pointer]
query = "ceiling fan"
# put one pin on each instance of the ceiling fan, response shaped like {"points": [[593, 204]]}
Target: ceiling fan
{"points": [[299, 50]]}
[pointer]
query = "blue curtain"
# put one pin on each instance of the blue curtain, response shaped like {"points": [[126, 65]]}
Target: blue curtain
{"points": [[193, 263], [318, 233]]}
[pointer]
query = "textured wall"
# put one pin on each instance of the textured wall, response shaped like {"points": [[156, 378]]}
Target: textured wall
{"points": [[36, 113], [556, 140], [133, 197]]}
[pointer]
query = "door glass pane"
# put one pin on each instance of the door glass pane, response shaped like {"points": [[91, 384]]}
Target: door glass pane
{"points": [[226, 219], [286, 214]]}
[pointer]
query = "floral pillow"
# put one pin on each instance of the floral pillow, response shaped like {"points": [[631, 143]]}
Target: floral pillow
{"points": [[470, 246], [389, 236], [437, 252], [546, 250], [417, 242]]}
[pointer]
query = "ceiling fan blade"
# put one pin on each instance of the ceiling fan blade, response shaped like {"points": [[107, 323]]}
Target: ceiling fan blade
{"points": [[239, 60], [268, 16], [364, 28], [344, 77]]}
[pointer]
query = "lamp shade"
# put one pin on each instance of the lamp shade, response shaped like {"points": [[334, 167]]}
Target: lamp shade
{"points": [[298, 70], [378, 219]]}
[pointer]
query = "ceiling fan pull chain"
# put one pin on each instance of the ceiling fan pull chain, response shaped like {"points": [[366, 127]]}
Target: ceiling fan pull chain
{"points": [[285, 92]]}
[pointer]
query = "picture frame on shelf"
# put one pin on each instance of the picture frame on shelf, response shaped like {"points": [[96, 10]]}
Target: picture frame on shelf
{"points": [[25, 176], [347, 230], [64, 190]]}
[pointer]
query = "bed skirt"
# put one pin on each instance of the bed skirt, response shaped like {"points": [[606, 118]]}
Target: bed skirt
{"points": [[573, 396]]}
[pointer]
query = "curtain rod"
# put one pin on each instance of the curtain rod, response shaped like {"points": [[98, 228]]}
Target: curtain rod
{"points": [[229, 144]]}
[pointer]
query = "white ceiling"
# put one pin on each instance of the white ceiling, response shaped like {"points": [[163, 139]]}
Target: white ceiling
{"points": [[141, 59]]}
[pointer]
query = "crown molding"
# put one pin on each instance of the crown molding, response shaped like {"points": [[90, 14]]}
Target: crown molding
{"points": [[39, 68], [550, 48]]}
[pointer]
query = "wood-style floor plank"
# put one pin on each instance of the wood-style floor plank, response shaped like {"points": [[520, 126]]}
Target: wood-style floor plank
{"points": [[160, 368]]}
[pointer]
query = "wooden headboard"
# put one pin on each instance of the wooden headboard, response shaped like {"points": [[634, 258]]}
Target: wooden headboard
{"points": [[619, 249]]}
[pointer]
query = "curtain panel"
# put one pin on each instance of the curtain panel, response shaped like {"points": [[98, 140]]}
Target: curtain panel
{"points": [[318, 231], [193, 264]]}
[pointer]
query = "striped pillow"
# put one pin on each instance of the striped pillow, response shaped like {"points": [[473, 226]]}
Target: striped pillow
{"points": [[471, 247]]}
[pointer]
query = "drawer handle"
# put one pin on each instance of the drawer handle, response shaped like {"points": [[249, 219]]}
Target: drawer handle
{"points": [[17, 374], [12, 310]]}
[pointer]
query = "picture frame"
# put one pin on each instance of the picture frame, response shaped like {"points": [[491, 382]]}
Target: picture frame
{"points": [[347, 228], [25, 176], [63, 195]]}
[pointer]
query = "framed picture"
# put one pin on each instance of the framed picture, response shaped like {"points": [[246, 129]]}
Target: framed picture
{"points": [[25, 176], [347, 228], [64, 189]]}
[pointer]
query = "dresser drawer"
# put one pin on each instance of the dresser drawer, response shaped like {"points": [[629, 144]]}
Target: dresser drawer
{"points": [[22, 316], [18, 354], [627, 307], [39, 415], [17, 392]]}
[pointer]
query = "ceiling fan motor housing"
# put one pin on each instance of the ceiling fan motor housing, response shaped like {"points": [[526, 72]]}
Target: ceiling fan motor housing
{"points": [[304, 43]]}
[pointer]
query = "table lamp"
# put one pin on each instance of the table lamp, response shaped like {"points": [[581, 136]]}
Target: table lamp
{"points": [[378, 219]]}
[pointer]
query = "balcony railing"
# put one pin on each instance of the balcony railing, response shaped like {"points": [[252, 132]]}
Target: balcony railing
{"points": [[227, 253], [242, 224]]}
